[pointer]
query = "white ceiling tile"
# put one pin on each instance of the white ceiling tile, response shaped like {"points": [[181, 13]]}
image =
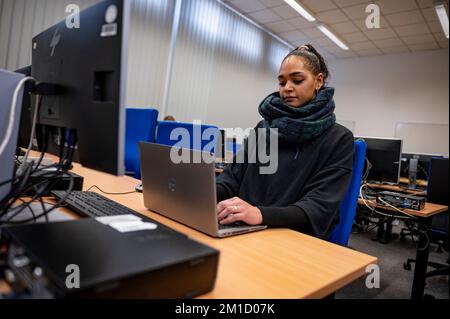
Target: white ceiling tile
{"points": [[280, 26], [356, 12], [379, 34], [404, 18], [412, 29], [443, 44], [424, 46], [368, 52], [440, 36], [435, 27], [345, 54], [354, 37], [333, 49], [349, 3], [430, 14], [361, 24], [324, 41], [362, 46], [300, 22], [272, 3], [396, 49], [247, 5], [313, 33], [319, 6], [417, 39], [332, 16], [344, 27], [388, 43], [285, 11], [298, 43], [425, 3], [295, 35], [264, 16], [394, 6]]}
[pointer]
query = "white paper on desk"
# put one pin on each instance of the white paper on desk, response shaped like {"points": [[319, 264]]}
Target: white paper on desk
{"points": [[126, 223], [133, 226], [107, 220]]}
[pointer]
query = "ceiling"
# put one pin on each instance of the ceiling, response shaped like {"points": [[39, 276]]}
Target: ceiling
{"points": [[405, 25]]}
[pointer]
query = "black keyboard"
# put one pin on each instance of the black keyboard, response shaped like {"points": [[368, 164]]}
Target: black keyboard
{"points": [[91, 204]]}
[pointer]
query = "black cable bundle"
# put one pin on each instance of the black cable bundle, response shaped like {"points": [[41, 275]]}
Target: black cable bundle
{"points": [[21, 184]]}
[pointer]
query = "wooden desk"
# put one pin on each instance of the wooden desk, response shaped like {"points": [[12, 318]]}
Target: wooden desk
{"points": [[429, 210], [398, 188], [424, 217], [419, 182], [274, 263]]}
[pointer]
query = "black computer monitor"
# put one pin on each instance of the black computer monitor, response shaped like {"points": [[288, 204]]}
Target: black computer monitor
{"points": [[437, 188], [23, 137], [384, 156], [423, 164], [88, 67]]}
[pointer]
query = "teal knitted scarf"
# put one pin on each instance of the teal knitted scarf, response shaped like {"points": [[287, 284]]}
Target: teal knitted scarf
{"points": [[302, 124]]}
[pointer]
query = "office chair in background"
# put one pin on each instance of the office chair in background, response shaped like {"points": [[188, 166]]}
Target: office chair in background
{"points": [[140, 126], [341, 232]]}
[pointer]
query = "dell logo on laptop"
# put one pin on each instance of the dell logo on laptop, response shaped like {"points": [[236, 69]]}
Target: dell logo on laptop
{"points": [[172, 183]]}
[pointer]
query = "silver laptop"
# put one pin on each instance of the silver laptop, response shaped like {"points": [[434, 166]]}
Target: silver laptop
{"points": [[185, 192]]}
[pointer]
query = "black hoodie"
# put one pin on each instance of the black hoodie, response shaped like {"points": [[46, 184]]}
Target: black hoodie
{"points": [[305, 192]]}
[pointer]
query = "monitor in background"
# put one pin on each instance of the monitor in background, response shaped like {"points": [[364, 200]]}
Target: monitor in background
{"points": [[438, 191], [88, 67], [423, 164], [384, 156]]}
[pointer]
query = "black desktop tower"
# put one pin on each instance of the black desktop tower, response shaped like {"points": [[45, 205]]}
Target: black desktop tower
{"points": [[160, 263]]}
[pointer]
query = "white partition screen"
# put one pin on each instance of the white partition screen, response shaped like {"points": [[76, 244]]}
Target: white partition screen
{"points": [[427, 138]]}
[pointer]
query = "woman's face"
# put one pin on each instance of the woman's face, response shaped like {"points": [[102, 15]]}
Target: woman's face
{"points": [[297, 84]]}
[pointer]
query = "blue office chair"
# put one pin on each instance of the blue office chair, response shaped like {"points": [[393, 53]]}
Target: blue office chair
{"points": [[233, 147], [341, 232], [140, 126], [165, 129]]}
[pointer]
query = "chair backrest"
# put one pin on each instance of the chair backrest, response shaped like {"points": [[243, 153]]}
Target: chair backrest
{"points": [[187, 135], [233, 146], [341, 232], [140, 126]]}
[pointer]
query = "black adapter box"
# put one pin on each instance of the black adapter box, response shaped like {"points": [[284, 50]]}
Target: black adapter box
{"points": [[61, 184]]}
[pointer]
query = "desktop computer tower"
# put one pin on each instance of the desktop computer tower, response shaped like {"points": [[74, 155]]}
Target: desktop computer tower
{"points": [[158, 263]]}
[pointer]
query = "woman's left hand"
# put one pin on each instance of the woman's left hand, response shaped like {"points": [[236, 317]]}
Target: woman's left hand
{"points": [[235, 209]]}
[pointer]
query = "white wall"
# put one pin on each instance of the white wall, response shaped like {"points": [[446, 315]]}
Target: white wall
{"points": [[378, 92]]}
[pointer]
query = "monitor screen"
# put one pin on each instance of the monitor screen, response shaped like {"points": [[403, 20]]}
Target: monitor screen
{"points": [[423, 165], [437, 191], [384, 156], [87, 65]]}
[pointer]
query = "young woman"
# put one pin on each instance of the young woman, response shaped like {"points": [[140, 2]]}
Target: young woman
{"points": [[315, 156]]}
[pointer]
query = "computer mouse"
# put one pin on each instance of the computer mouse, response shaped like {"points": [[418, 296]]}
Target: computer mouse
{"points": [[138, 188]]}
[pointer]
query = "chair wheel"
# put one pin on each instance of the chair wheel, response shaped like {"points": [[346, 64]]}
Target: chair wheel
{"points": [[406, 266]]}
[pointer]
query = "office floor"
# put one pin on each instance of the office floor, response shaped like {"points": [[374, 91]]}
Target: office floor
{"points": [[395, 282]]}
